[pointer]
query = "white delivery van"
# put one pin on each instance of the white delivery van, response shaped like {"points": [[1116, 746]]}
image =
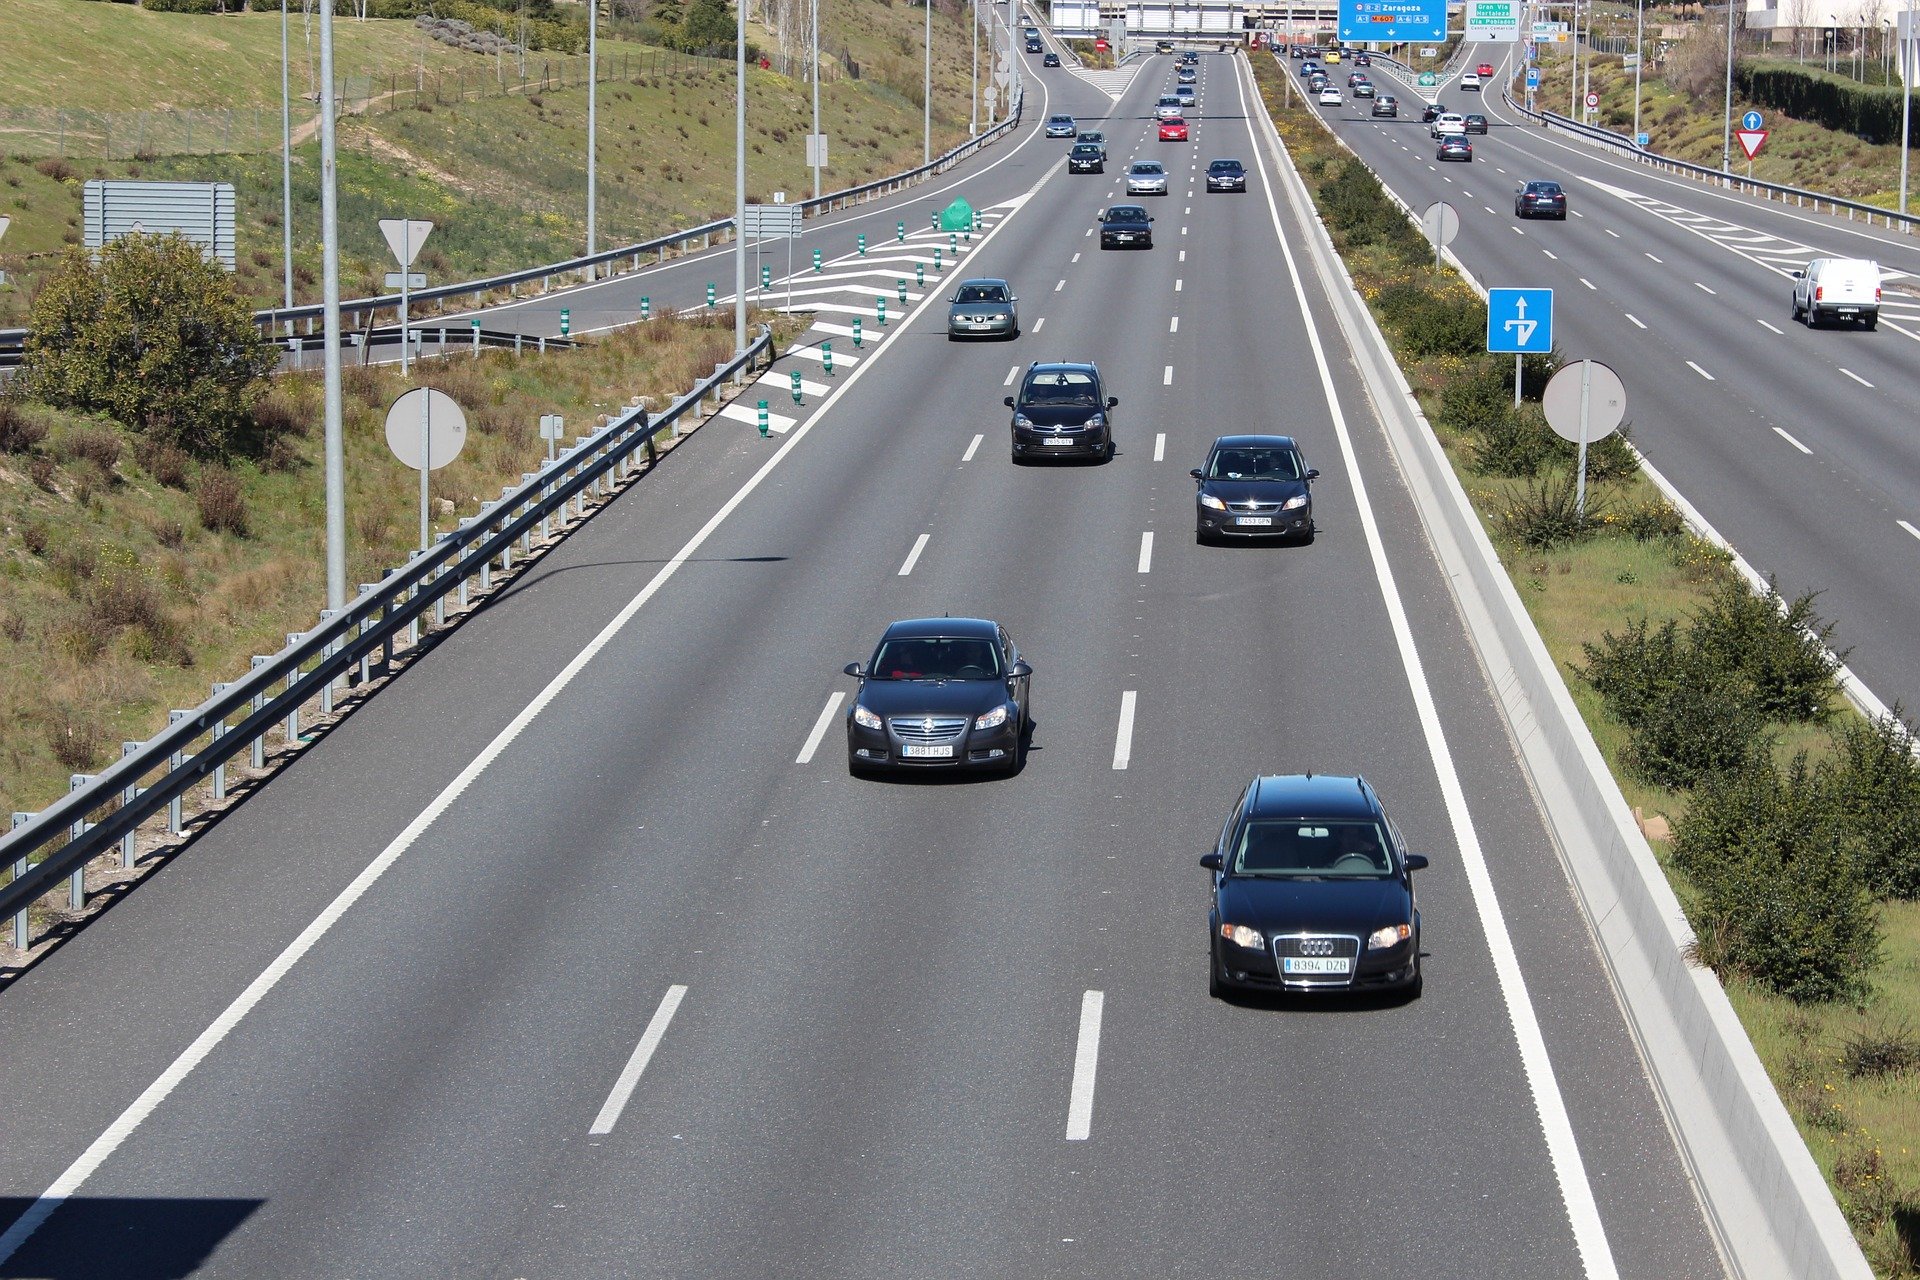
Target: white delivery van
{"points": [[1837, 289]]}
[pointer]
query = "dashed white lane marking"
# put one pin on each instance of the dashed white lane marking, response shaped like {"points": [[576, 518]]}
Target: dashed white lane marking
{"points": [[1698, 285], [1183, 231], [642, 1054], [1087, 232], [1636, 319], [1909, 528], [1123, 739], [1790, 440], [1011, 375], [1857, 378], [1086, 1064], [1160, 446], [1519, 231], [1039, 324], [1058, 287], [1173, 324], [972, 449], [1586, 282], [1179, 285], [819, 730], [1076, 257], [1489, 209], [1610, 231], [1651, 256], [1551, 254], [1166, 379], [1764, 325], [1146, 552], [1702, 372], [919, 545], [1183, 255]]}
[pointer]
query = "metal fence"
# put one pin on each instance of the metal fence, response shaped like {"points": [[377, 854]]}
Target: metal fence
{"points": [[102, 812]]}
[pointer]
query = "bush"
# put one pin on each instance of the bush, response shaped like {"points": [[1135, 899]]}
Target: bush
{"points": [[98, 445], [1610, 460], [1480, 396], [1876, 785], [19, 431], [154, 336], [1779, 649], [1358, 212], [1515, 444], [223, 507], [1779, 900], [1703, 727], [168, 464], [1882, 1051], [1432, 323], [1634, 670], [1654, 521], [1546, 513]]}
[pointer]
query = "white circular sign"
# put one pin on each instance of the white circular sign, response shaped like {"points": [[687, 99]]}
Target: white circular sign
{"points": [[1606, 400], [444, 428], [1593, 99], [1441, 222]]}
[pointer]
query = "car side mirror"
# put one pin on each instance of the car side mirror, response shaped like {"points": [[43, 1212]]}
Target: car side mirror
{"points": [[1416, 862], [1313, 473], [1211, 861], [1009, 402], [1799, 275], [853, 669], [1021, 669], [1195, 473], [1113, 402]]}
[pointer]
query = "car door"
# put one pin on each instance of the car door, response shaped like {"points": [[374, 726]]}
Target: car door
{"points": [[1019, 688]]}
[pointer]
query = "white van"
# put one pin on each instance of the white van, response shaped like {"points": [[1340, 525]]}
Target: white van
{"points": [[1837, 289]]}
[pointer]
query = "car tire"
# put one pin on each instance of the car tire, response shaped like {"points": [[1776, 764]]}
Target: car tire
{"points": [[1562, 217], [1216, 989], [1870, 323], [1201, 538], [1794, 310]]}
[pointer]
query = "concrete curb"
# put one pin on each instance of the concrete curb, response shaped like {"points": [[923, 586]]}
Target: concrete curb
{"points": [[1764, 1197]]}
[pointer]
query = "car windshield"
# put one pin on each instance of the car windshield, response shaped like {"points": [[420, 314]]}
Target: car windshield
{"points": [[1253, 464], [982, 293], [1060, 386], [1224, 166], [936, 658], [1093, 138], [1126, 214], [1063, 120], [1149, 168], [1313, 849]]}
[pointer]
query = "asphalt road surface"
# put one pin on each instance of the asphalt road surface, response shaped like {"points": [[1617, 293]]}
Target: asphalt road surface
{"points": [[577, 951]]}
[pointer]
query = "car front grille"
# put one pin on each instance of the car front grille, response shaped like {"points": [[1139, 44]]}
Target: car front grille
{"points": [[928, 728], [1317, 944], [1253, 508]]}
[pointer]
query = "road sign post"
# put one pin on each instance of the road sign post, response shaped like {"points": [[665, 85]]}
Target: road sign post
{"points": [[426, 430], [1519, 321], [404, 236], [1442, 224], [1752, 137], [5, 222], [552, 427], [1585, 401], [475, 323]]}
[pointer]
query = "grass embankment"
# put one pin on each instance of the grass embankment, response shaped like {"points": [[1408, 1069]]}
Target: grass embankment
{"points": [[1091, 58], [502, 176], [125, 589], [1797, 153], [1859, 1114]]}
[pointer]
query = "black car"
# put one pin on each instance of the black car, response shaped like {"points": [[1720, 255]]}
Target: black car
{"points": [[1086, 157], [1312, 891], [1386, 105], [1362, 60], [1432, 111], [1454, 146], [1033, 44], [1476, 123], [1126, 225], [1253, 486], [1540, 200], [1063, 411], [1050, 60], [1226, 175], [941, 693]]}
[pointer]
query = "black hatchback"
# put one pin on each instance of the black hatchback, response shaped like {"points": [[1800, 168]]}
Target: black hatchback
{"points": [[940, 693], [1253, 486], [1062, 411], [1312, 891]]}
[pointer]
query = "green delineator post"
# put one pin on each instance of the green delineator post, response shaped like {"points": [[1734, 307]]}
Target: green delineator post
{"points": [[953, 244], [936, 260], [901, 285], [899, 231], [763, 418], [920, 274], [826, 357], [566, 321], [646, 307], [880, 312], [936, 219], [766, 276], [712, 293], [816, 262], [856, 333], [863, 244], [797, 390]]}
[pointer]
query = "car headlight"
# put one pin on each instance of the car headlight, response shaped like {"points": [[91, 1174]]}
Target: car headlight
{"points": [[1391, 936], [1096, 422], [1294, 503], [1242, 936], [993, 719], [865, 718], [1208, 500], [1022, 420]]}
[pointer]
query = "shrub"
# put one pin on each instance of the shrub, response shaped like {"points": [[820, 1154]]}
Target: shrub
{"points": [[1779, 901], [1546, 513], [1430, 323], [152, 334], [169, 533], [168, 464], [1514, 444], [1610, 460], [1779, 649], [1653, 521], [19, 431], [1703, 727], [1634, 670], [98, 445], [1876, 785], [1891, 1050], [55, 167], [223, 507], [76, 739], [41, 470], [1480, 396]]}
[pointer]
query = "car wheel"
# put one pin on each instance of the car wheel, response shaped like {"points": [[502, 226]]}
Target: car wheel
{"points": [[1870, 323], [1216, 989], [1201, 538], [1108, 455], [1795, 310], [1562, 217]]}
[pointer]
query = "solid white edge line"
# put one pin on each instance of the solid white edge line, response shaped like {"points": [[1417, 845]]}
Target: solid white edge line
{"points": [[1160, 446], [1857, 378], [642, 1054], [1563, 1147], [1781, 432], [1146, 552], [919, 545], [819, 730], [83, 1167], [972, 449], [1702, 372], [1123, 736], [1086, 1065]]}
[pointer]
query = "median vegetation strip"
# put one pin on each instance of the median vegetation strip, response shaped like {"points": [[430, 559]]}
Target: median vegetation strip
{"points": [[1788, 824]]}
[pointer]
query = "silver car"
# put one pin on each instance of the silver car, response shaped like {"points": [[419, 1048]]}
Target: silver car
{"points": [[1186, 95], [1146, 178], [1169, 105], [983, 308]]}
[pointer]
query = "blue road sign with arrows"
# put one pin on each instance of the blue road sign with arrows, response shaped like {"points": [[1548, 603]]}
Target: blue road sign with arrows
{"points": [[1751, 121], [1520, 321], [1369, 20]]}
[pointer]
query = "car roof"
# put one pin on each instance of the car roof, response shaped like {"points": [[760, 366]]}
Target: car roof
{"points": [[1313, 795], [982, 280], [1254, 442], [1224, 160], [920, 628]]}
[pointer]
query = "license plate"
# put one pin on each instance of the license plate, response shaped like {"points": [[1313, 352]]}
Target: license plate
{"points": [[1847, 311], [1059, 440], [927, 750], [1123, 236], [983, 324], [1316, 964], [1253, 520]]}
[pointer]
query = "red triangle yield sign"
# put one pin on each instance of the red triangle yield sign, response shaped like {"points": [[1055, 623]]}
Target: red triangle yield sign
{"points": [[1751, 140]]}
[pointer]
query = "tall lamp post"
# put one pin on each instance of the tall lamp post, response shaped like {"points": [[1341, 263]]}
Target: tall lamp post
{"points": [[740, 180], [926, 92], [1726, 135], [973, 47], [335, 450], [816, 98], [1906, 96], [1639, 58], [286, 167], [593, 81]]}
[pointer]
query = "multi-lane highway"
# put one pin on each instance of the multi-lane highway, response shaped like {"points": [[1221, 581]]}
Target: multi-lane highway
{"points": [[577, 951], [1796, 444]]}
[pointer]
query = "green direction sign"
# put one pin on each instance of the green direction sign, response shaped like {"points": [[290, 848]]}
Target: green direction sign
{"points": [[1428, 79], [957, 216]]}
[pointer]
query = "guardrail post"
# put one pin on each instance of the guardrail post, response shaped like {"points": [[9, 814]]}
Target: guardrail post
{"points": [[128, 794], [259, 701], [21, 935], [219, 732], [326, 690], [293, 678], [176, 807], [77, 882]]}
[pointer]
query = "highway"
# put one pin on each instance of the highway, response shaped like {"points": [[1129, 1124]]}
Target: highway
{"points": [[577, 951], [1796, 444]]}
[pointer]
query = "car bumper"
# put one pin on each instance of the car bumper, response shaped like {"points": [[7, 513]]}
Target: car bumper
{"points": [[1091, 166], [1060, 133], [972, 749], [1392, 969], [1543, 211], [1210, 523], [1031, 443], [993, 328], [1159, 190], [1126, 240], [1226, 184]]}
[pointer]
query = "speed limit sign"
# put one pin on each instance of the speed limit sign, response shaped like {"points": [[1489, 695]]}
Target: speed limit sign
{"points": [[1593, 99]]}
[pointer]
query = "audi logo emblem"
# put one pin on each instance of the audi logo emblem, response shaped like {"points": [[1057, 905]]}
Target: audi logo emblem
{"points": [[1316, 946]]}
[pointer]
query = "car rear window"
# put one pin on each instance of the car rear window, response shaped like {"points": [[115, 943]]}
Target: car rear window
{"points": [[1127, 214], [1344, 849]]}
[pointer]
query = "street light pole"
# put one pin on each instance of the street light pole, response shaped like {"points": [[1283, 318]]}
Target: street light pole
{"points": [[286, 167], [1906, 99], [1639, 60], [335, 450], [740, 181], [593, 81], [926, 92], [816, 99], [973, 47], [1726, 135]]}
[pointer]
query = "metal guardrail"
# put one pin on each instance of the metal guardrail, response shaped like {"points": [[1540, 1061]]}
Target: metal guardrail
{"points": [[1906, 224], [106, 809], [13, 341]]}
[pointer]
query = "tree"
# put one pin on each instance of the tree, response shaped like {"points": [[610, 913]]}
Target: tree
{"points": [[153, 334], [709, 27]]}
